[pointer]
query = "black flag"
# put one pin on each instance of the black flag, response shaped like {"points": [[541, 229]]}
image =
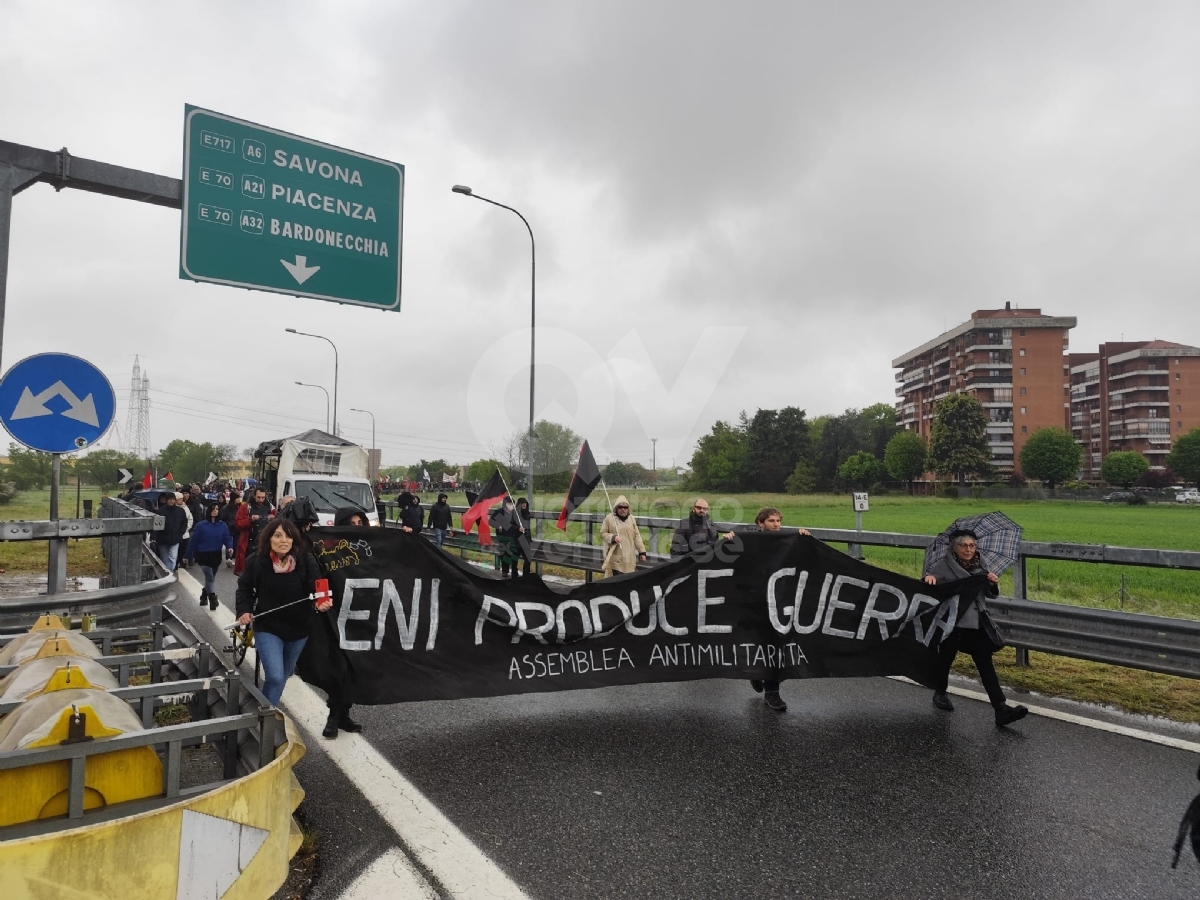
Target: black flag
{"points": [[491, 494], [583, 482]]}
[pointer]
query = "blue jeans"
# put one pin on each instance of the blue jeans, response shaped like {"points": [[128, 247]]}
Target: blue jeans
{"points": [[439, 535], [168, 555], [209, 576], [278, 658]]}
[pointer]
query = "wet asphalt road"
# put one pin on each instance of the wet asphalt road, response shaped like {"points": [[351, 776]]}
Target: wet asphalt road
{"points": [[696, 790]]}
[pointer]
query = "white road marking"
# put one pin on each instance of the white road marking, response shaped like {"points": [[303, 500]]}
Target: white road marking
{"points": [[1137, 734], [391, 875], [460, 867]]}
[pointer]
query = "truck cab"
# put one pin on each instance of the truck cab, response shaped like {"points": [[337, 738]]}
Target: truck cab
{"points": [[330, 471]]}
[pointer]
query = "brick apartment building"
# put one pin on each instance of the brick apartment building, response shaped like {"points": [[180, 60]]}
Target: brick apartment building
{"points": [[1133, 395], [1013, 361]]}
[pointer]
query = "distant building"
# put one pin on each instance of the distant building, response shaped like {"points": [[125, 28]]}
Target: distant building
{"points": [[1133, 395], [1013, 361]]}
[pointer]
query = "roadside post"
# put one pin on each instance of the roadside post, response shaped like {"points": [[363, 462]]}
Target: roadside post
{"points": [[56, 403], [861, 505]]}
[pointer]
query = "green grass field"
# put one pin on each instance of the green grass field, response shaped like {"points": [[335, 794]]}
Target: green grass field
{"points": [[83, 557]]}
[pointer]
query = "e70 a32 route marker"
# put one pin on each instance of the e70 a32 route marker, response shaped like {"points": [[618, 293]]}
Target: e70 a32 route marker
{"points": [[273, 211]]}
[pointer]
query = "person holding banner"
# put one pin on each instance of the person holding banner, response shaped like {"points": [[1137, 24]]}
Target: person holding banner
{"points": [[963, 561], [698, 532], [622, 540], [771, 519], [274, 593]]}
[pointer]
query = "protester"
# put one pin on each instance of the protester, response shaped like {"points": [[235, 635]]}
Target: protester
{"points": [[526, 522], [195, 508], [229, 517], [963, 561], [441, 520], [251, 517], [622, 539], [175, 526], [187, 535], [505, 523], [339, 708], [274, 594], [698, 532], [412, 517], [209, 538], [770, 519]]}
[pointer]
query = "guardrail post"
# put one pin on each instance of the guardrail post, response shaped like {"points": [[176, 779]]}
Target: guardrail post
{"points": [[75, 787], [156, 642], [266, 736], [171, 769], [1019, 593], [589, 537], [233, 705]]}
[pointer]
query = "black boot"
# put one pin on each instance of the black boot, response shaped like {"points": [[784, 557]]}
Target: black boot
{"points": [[212, 600], [346, 723], [331, 725]]}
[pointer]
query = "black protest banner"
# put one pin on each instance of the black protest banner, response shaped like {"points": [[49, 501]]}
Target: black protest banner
{"points": [[411, 622]]}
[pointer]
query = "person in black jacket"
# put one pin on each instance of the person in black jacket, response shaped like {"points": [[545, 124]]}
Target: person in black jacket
{"points": [[698, 532], [963, 561], [339, 708], [441, 520], [412, 517], [507, 524], [274, 593], [174, 528]]}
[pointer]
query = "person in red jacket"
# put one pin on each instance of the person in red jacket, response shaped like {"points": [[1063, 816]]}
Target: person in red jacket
{"points": [[250, 519]]}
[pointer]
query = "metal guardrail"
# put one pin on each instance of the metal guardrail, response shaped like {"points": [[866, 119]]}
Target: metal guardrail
{"points": [[137, 577], [241, 724], [1150, 643]]}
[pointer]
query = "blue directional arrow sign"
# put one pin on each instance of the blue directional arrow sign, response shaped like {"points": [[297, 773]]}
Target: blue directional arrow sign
{"points": [[56, 403]]}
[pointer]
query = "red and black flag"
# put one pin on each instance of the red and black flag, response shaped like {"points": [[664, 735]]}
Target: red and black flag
{"points": [[583, 482], [493, 492], [148, 480]]}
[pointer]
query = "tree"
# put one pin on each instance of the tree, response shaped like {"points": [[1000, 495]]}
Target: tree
{"points": [[101, 467], [555, 450], [1124, 467], [31, 469], [958, 443], [904, 457], [1051, 455], [435, 468], [802, 480], [620, 473], [481, 471], [719, 460], [190, 463], [861, 470], [879, 422], [775, 443], [1184, 457]]}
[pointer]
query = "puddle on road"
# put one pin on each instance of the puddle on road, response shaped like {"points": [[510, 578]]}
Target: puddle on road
{"points": [[29, 584]]}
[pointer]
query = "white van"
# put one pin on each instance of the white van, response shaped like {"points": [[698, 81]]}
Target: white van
{"points": [[330, 471]]}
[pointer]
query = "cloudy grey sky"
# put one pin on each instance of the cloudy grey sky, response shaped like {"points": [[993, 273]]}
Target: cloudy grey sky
{"points": [[736, 206]]}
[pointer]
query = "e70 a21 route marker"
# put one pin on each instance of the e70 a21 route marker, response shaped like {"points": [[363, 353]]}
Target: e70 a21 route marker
{"points": [[273, 211]]}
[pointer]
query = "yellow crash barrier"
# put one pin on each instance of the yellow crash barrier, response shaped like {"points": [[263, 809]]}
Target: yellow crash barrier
{"points": [[45, 674], [233, 842], [35, 644]]}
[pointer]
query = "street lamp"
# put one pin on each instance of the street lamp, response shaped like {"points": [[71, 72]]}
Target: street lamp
{"points": [[463, 189], [335, 372], [320, 388], [372, 415], [654, 462]]}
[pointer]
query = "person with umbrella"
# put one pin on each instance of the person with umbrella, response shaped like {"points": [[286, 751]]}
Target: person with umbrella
{"points": [[965, 560]]}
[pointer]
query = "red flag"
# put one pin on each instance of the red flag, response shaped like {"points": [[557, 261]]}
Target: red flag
{"points": [[491, 494], [583, 482], [148, 480], [168, 477]]}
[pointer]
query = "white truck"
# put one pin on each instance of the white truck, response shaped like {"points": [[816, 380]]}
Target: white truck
{"points": [[330, 471]]}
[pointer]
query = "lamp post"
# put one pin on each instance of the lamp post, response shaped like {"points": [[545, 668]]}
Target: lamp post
{"points": [[335, 372], [372, 415], [654, 462], [320, 388], [463, 189]]}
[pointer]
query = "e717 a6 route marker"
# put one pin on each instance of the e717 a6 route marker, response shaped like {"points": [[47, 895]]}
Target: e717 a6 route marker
{"points": [[273, 211]]}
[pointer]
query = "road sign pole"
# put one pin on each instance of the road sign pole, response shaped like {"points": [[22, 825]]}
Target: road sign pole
{"points": [[56, 568]]}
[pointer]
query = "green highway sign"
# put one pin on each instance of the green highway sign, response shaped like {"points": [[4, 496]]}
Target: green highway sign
{"points": [[272, 211]]}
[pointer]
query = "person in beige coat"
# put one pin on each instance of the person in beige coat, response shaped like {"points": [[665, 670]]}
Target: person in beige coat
{"points": [[622, 539]]}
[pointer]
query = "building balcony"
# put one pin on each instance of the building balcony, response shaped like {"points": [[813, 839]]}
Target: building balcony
{"points": [[1139, 387], [1113, 376]]}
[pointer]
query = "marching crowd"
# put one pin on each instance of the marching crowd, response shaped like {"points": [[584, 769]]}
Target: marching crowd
{"points": [[278, 574]]}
